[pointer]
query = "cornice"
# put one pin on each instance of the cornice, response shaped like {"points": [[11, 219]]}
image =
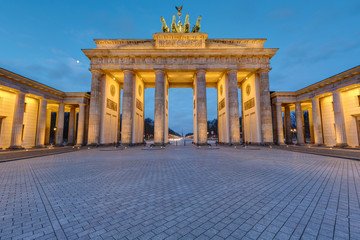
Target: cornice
{"points": [[338, 77], [26, 82], [321, 84], [29, 82]]}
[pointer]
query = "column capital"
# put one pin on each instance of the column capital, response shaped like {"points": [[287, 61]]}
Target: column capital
{"points": [[264, 70], [94, 71], [278, 103], [336, 91], [315, 97], [128, 70], [19, 92], [200, 70], [231, 71], [160, 70]]}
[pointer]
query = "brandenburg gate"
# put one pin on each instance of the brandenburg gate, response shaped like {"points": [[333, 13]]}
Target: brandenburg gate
{"points": [[179, 59]]}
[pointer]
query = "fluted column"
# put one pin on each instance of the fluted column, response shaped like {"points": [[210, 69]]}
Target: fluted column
{"points": [[128, 107], [234, 108], [95, 108], [287, 115], [71, 130], [279, 124], [318, 138], [201, 110], [339, 120], [311, 126], [242, 113], [18, 119], [265, 108], [299, 123], [60, 125], [119, 118], [159, 118], [81, 125], [40, 138], [48, 126]]}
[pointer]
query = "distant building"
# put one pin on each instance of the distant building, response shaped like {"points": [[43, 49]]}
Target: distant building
{"points": [[333, 107], [32, 114]]}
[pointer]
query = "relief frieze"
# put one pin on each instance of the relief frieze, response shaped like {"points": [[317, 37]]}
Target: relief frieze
{"points": [[249, 104], [111, 104], [180, 60]]}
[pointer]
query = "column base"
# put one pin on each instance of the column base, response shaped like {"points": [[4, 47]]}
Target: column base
{"points": [[93, 144], [235, 144], [159, 144], [40, 146], [341, 145], [202, 144], [317, 144], [16, 148]]}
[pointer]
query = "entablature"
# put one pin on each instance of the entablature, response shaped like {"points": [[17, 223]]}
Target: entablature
{"points": [[12, 82], [341, 82]]}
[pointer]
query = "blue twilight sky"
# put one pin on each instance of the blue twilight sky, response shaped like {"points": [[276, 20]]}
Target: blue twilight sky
{"points": [[42, 40]]}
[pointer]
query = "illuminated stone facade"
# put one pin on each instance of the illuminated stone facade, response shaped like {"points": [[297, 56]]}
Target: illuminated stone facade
{"points": [[181, 60], [332, 108], [33, 114], [28, 109]]}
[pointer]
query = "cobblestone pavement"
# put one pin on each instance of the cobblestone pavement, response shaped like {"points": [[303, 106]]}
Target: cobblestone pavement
{"points": [[180, 193]]}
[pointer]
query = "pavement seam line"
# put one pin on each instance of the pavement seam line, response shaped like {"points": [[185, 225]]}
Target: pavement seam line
{"points": [[48, 207]]}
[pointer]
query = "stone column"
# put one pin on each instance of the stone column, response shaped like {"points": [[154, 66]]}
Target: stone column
{"points": [[299, 124], [275, 128], [60, 125], [201, 110], [340, 130], [128, 107], [48, 126], [17, 128], [242, 114], [159, 118], [71, 131], [279, 122], [40, 138], [318, 138], [95, 108], [311, 126], [234, 108], [86, 124], [119, 118], [81, 125], [288, 125], [265, 108]]}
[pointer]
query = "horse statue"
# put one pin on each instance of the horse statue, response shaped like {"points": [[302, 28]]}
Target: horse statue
{"points": [[164, 26], [197, 26]]}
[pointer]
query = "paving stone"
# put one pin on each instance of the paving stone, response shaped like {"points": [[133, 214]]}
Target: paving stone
{"points": [[180, 192]]}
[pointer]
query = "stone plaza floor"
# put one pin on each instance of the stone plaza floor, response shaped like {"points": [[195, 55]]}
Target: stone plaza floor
{"points": [[180, 193]]}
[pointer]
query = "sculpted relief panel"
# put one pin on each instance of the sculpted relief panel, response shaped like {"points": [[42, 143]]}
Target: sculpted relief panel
{"points": [[180, 43]]}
